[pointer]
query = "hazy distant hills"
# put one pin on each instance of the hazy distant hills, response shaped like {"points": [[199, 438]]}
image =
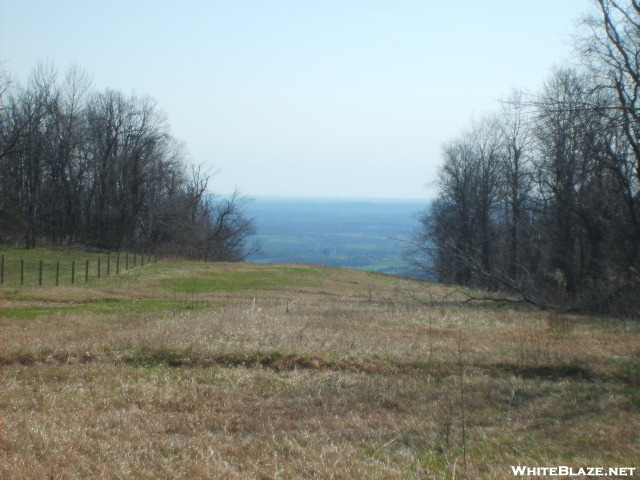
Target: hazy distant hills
{"points": [[355, 233]]}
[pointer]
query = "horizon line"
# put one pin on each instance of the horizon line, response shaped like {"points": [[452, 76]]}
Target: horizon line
{"points": [[334, 198]]}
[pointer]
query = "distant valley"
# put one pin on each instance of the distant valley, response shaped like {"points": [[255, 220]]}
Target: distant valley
{"points": [[357, 233]]}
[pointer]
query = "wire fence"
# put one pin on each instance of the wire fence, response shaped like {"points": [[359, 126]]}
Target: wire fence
{"points": [[15, 270]]}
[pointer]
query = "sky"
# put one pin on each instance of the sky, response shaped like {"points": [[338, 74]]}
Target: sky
{"points": [[323, 98]]}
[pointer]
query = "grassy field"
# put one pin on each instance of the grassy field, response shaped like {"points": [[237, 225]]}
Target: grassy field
{"points": [[185, 370]]}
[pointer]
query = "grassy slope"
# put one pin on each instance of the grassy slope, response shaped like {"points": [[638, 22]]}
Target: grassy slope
{"points": [[193, 370]]}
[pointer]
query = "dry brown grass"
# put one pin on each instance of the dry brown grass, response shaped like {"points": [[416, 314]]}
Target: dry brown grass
{"points": [[335, 375]]}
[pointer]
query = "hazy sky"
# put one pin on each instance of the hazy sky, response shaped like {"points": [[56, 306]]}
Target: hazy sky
{"points": [[304, 97]]}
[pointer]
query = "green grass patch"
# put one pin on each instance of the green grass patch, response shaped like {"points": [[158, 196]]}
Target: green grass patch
{"points": [[235, 281], [106, 306], [300, 270], [29, 312], [633, 394], [108, 301]]}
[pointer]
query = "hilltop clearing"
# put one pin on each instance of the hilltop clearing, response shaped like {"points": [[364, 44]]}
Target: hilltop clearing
{"points": [[232, 370]]}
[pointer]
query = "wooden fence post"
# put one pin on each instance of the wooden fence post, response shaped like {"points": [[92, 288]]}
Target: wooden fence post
{"points": [[108, 265], [73, 272], [142, 260], [86, 271], [1, 269], [40, 274], [118, 263], [22, 271], [57, 273]]}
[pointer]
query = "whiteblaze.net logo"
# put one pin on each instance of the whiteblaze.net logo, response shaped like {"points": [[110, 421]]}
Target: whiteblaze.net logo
{"points": [[524, 471]]}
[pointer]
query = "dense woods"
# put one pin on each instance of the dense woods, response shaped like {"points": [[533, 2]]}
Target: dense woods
{"points": [[542, 198], [101, 169]]}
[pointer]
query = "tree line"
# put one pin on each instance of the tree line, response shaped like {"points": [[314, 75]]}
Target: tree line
{"points": [[542, 197], [101, 169]]}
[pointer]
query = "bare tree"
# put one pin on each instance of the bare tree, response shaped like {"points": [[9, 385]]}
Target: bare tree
{"points": [[517, 175], [612, 51], [102, 169], [543, 205], [460, 222]]}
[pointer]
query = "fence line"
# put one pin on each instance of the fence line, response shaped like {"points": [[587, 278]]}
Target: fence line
{"points": [[39, 272]]}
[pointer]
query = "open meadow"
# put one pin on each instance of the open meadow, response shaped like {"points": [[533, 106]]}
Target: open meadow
{"points": [[193, 370]]}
